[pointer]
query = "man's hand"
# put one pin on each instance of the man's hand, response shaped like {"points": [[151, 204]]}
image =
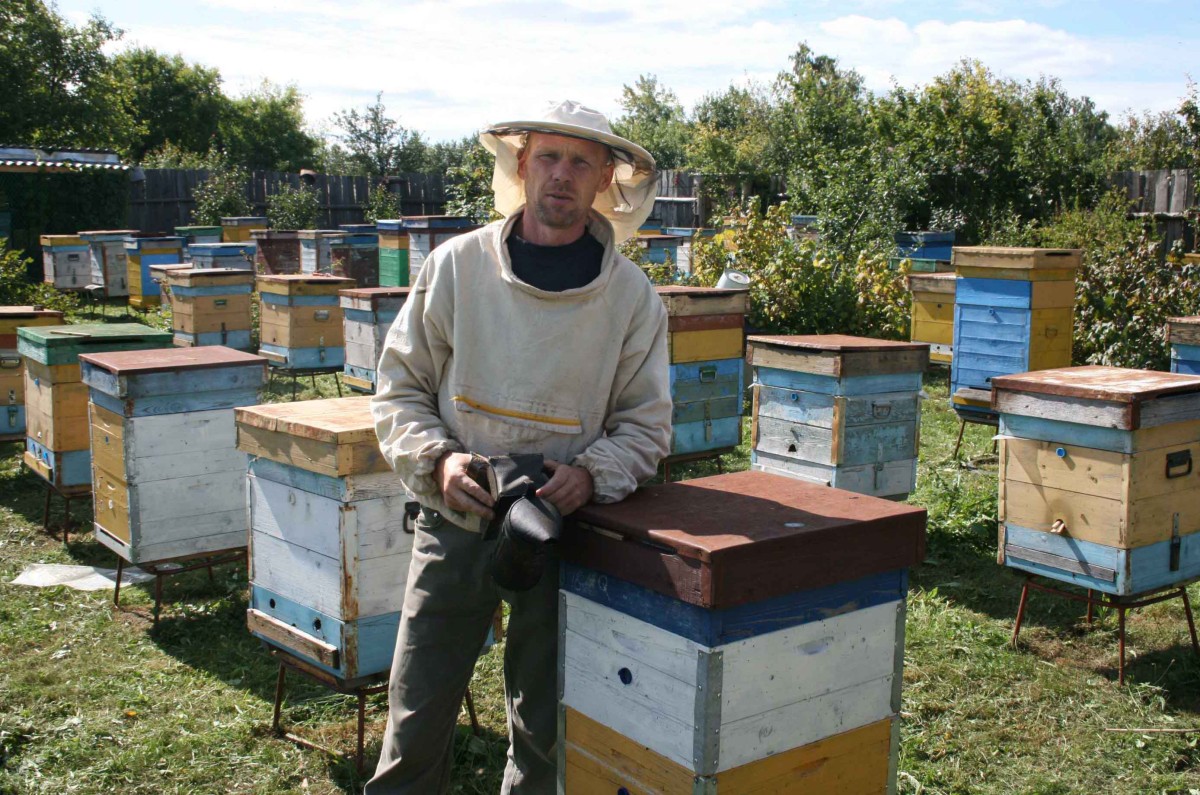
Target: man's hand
{"points": [[569, 487], [458, 489]]}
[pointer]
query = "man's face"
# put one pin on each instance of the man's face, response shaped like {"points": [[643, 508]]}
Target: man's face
{"points": [[562, 177]]}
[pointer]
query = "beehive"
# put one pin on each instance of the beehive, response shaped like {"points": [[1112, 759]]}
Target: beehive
{"points": [[355, 255], [239, 256], [106, 259], [211, 306], [237, 229], [1183, 335], [56, 400], [277, 251], [931, 246], [328, 551], [66, 261], [300, 321], [1012, 314], [705, 338], [933, 313], [393, 253], [140, 254], [427, 232], [167, 478], [12, 367], [316, 249], [734, 634], [659, 248], [368, 313], [838, 410], [193, 235], [687, 240], [1097, 471]]}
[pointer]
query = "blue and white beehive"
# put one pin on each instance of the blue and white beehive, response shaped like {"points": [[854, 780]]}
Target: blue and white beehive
{"points": [[706, 341], [734, 634], [233, 256], [106, 253], [1013, 313], [1097, 476], [838, 410], [369, 312], [1183, 335], [687, 239], [140, 254], [66, 262], [329, 553], [316, 249], [300, 321], [167, 478], [427, 232]]}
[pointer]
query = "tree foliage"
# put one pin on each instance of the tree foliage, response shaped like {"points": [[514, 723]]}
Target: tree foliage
{"points": [[173, 103], [293, 207], [265, 130], [221, 195], [375, 144], [653, 119]]}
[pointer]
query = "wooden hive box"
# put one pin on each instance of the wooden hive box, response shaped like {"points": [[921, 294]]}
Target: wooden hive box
{"points": [[356, 256], [838, 410], [427, 232], [193, 235], [329, 553], [725, 633], [358, 229], [140, 254], [276, 251], [936, 246], [1097, 471], [106, 259], [12, 366], [235, 256], [167, 478], [393, 253], [659, 248], [933, 313], [316, 249], [368, 313], [300, 321], [211, 306], [237, 229], [1183, 335], [56, 399], [1013, 313], [706, 341], [687, 238], [66, 261]]}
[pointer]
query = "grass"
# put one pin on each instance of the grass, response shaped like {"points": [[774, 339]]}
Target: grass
{"points": [[94, 700]]}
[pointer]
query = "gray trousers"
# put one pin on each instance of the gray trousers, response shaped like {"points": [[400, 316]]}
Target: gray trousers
{"points": [[448, 608]]}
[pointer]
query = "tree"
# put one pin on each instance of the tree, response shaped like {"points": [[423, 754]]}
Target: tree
{"points": [[654, 119], [265, 130], [731, 136], [1159, 140], [171, 101], [376, 144], [59, 90]]}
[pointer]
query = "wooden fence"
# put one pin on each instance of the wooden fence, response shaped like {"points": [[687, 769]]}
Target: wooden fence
{"points": [[1166, 195], [161, 199]]}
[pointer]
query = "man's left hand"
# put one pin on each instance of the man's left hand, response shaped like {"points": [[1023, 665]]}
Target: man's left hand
{"points": [[569, 487]]}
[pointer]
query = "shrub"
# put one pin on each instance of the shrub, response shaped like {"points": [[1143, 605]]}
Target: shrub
{"points": [[799, 287], [381, 203], [293, 208], [17, 290], [221, 195]]}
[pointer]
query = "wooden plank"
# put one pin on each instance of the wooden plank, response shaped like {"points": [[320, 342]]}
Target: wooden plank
{"points": [[1025, 258], [1096, 382], [915, 358], [1183, 330], [292, 638], [341, 420], [705, 322], [687, 301], [1018, 274], [705, 345]]}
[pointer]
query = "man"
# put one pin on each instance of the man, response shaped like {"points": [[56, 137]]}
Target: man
{"points": [[530, 335]]}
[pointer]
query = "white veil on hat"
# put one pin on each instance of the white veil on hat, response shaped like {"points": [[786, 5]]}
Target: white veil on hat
{"points": [[628, 201]]}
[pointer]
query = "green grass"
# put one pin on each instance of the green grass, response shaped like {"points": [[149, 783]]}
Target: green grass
{"points": [[98, 701]]}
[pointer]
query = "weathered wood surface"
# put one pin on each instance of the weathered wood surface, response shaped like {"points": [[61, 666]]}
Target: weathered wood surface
{"points": [[938, 283], [736, 538], [705, 345], [1025, 258], [294, 284], [687, 301], [600, 761], [654, 686], [333, 437], [889, 480], [837, 355]]}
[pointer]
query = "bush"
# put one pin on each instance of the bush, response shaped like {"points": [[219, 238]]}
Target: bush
{"points": [[381, 203], [221, 195], [17, 290], [798, 287], [293, 208]]}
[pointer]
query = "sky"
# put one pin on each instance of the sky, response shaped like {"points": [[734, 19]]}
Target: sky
{"points": [[449, 67]]}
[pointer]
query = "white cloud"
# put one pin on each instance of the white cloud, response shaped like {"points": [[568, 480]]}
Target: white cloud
{"points": [[450, 66]]}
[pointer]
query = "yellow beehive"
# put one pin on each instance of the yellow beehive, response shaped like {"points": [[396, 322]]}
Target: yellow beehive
{"points": [[933, 313]]}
